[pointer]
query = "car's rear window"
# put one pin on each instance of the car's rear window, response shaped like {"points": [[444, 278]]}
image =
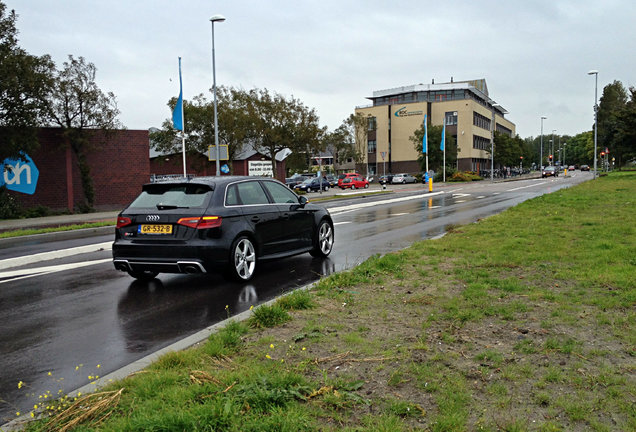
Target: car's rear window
{"points": [[173, 195]]}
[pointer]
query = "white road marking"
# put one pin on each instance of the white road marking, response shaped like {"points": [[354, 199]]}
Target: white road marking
{"points": [[523, 187], [61, 253], [342, 223], [40, 271], [460, 195], [343, 209], [399, 214], [481, 196], [460, 201]]}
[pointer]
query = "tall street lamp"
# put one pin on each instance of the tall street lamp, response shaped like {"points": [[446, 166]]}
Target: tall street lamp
{"points": [[213, 19], [541, 152], [595, 73]]}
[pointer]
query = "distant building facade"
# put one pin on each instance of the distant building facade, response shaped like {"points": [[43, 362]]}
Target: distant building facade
{"points": [[397, 113]]}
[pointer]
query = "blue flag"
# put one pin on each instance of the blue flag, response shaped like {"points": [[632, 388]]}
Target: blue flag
{"points": [[424, 139], [443, 141], [177, 114]]}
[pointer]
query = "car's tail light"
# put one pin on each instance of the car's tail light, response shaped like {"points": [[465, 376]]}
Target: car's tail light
{"points": [[123, 221], [203, 222]]}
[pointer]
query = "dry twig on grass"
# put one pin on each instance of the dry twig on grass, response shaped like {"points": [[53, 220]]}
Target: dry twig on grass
{"points": [[93, 407]]}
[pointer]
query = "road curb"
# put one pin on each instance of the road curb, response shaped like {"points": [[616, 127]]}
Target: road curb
{"points": [[57, 236]]}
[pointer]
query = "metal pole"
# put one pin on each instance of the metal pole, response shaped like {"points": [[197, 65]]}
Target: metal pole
{"points": [[541, 153], [492, 146], [217, 152], [595, 119]]}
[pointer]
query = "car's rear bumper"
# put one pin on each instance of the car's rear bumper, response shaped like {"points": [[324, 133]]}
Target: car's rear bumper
{"points": [[129, 256]]}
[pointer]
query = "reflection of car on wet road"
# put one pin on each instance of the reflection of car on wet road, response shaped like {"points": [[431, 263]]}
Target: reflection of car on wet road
{"points": [[205, 224]]}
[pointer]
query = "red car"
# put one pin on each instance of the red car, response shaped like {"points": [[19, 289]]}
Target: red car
{"points": [[354, 183]]}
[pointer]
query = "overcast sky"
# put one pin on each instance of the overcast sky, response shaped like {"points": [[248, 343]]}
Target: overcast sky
{"points": [[534, 54]]}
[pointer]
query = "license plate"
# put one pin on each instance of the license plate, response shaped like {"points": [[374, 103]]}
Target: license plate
{"points": [[155, 229]]}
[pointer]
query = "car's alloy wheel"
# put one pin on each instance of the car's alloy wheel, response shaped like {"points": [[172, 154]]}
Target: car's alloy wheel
{"points": [[366, 185], [323, 242], [353, 186], [243, 259]]}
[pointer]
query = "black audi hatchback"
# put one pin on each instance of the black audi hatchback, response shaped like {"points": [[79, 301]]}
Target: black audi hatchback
{"points": [[208, 224]]}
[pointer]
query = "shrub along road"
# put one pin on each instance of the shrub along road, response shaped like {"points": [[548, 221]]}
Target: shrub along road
{"points": [[523, 321]]}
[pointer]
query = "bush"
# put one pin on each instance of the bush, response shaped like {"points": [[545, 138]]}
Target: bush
{"points": [[465, 176], [9, 206]]}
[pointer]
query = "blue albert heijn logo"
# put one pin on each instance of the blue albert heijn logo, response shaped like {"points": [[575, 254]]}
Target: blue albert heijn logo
{"points": [[20, 176], [225, 169]]}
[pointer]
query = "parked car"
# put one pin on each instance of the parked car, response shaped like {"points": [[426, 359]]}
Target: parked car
{"points": [[385, 179], [403, 178], [210, 224], [354, 183], [332, 179], [571, 168], [344, 176], [550, 171], [312, 185], [585, 168], [294, 180]]}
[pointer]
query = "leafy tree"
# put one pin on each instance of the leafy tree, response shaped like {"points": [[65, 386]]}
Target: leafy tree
{"points": [[24, 87], [435, 155], [277, 123], [83, 111], [341, 143], [625, 148], [233, 121]]}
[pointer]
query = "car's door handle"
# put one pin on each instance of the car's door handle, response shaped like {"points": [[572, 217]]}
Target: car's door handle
{"points": [[255, 218]]}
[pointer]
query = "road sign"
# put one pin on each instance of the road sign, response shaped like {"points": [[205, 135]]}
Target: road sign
{"points": [[383, 154], [224, 153]]}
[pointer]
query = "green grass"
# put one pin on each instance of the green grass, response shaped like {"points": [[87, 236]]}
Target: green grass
{"points": [[483, 329], [33, 231]]}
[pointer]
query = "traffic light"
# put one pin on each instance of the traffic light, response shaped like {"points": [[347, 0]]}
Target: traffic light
{"points": [[550, 157]]}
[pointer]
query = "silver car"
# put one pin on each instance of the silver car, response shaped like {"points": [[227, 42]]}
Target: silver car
{"points": [[403, 179]]}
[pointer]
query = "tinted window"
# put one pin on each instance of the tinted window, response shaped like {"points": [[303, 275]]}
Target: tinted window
{"points": [[183, 196], [231, 197], [251, 193], [280, 193]]}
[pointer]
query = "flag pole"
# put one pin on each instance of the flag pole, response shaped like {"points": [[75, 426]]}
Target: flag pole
{"points": [[425, 146], [444, 147], [178, 119]]}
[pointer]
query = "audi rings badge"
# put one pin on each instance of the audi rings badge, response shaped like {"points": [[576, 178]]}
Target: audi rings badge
{"points": [[152, 218]]}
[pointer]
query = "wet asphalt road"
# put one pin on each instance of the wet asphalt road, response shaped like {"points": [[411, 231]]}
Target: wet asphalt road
{"points": [[72, 319]]}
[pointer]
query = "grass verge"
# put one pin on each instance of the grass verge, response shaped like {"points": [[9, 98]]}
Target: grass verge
{"points": [[524, 321], [33, 231]]}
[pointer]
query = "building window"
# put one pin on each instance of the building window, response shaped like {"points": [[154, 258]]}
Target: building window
{"points": [[481, 121], [372, 146], [481, 143], [372, 123], [502, 129], [450, 118]]}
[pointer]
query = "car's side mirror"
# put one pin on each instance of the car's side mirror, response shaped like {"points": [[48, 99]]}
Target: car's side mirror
{"points": [[302, 201]]}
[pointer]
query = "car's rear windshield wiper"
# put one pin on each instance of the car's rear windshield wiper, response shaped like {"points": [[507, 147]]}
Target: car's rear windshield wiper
{"points": [[170, 207]]}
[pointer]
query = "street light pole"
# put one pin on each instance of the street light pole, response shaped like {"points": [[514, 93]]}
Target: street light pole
{"points": [[595, 73], [213, 19], [541, 152]]}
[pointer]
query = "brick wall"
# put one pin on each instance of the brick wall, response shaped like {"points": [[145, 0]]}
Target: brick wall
{"points": [[118, 162]]}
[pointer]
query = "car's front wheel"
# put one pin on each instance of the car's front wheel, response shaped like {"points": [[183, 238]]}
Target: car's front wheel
{"points": [[353, 186], [323, 240], [366, 185], [242, 259], [144, 275]]}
